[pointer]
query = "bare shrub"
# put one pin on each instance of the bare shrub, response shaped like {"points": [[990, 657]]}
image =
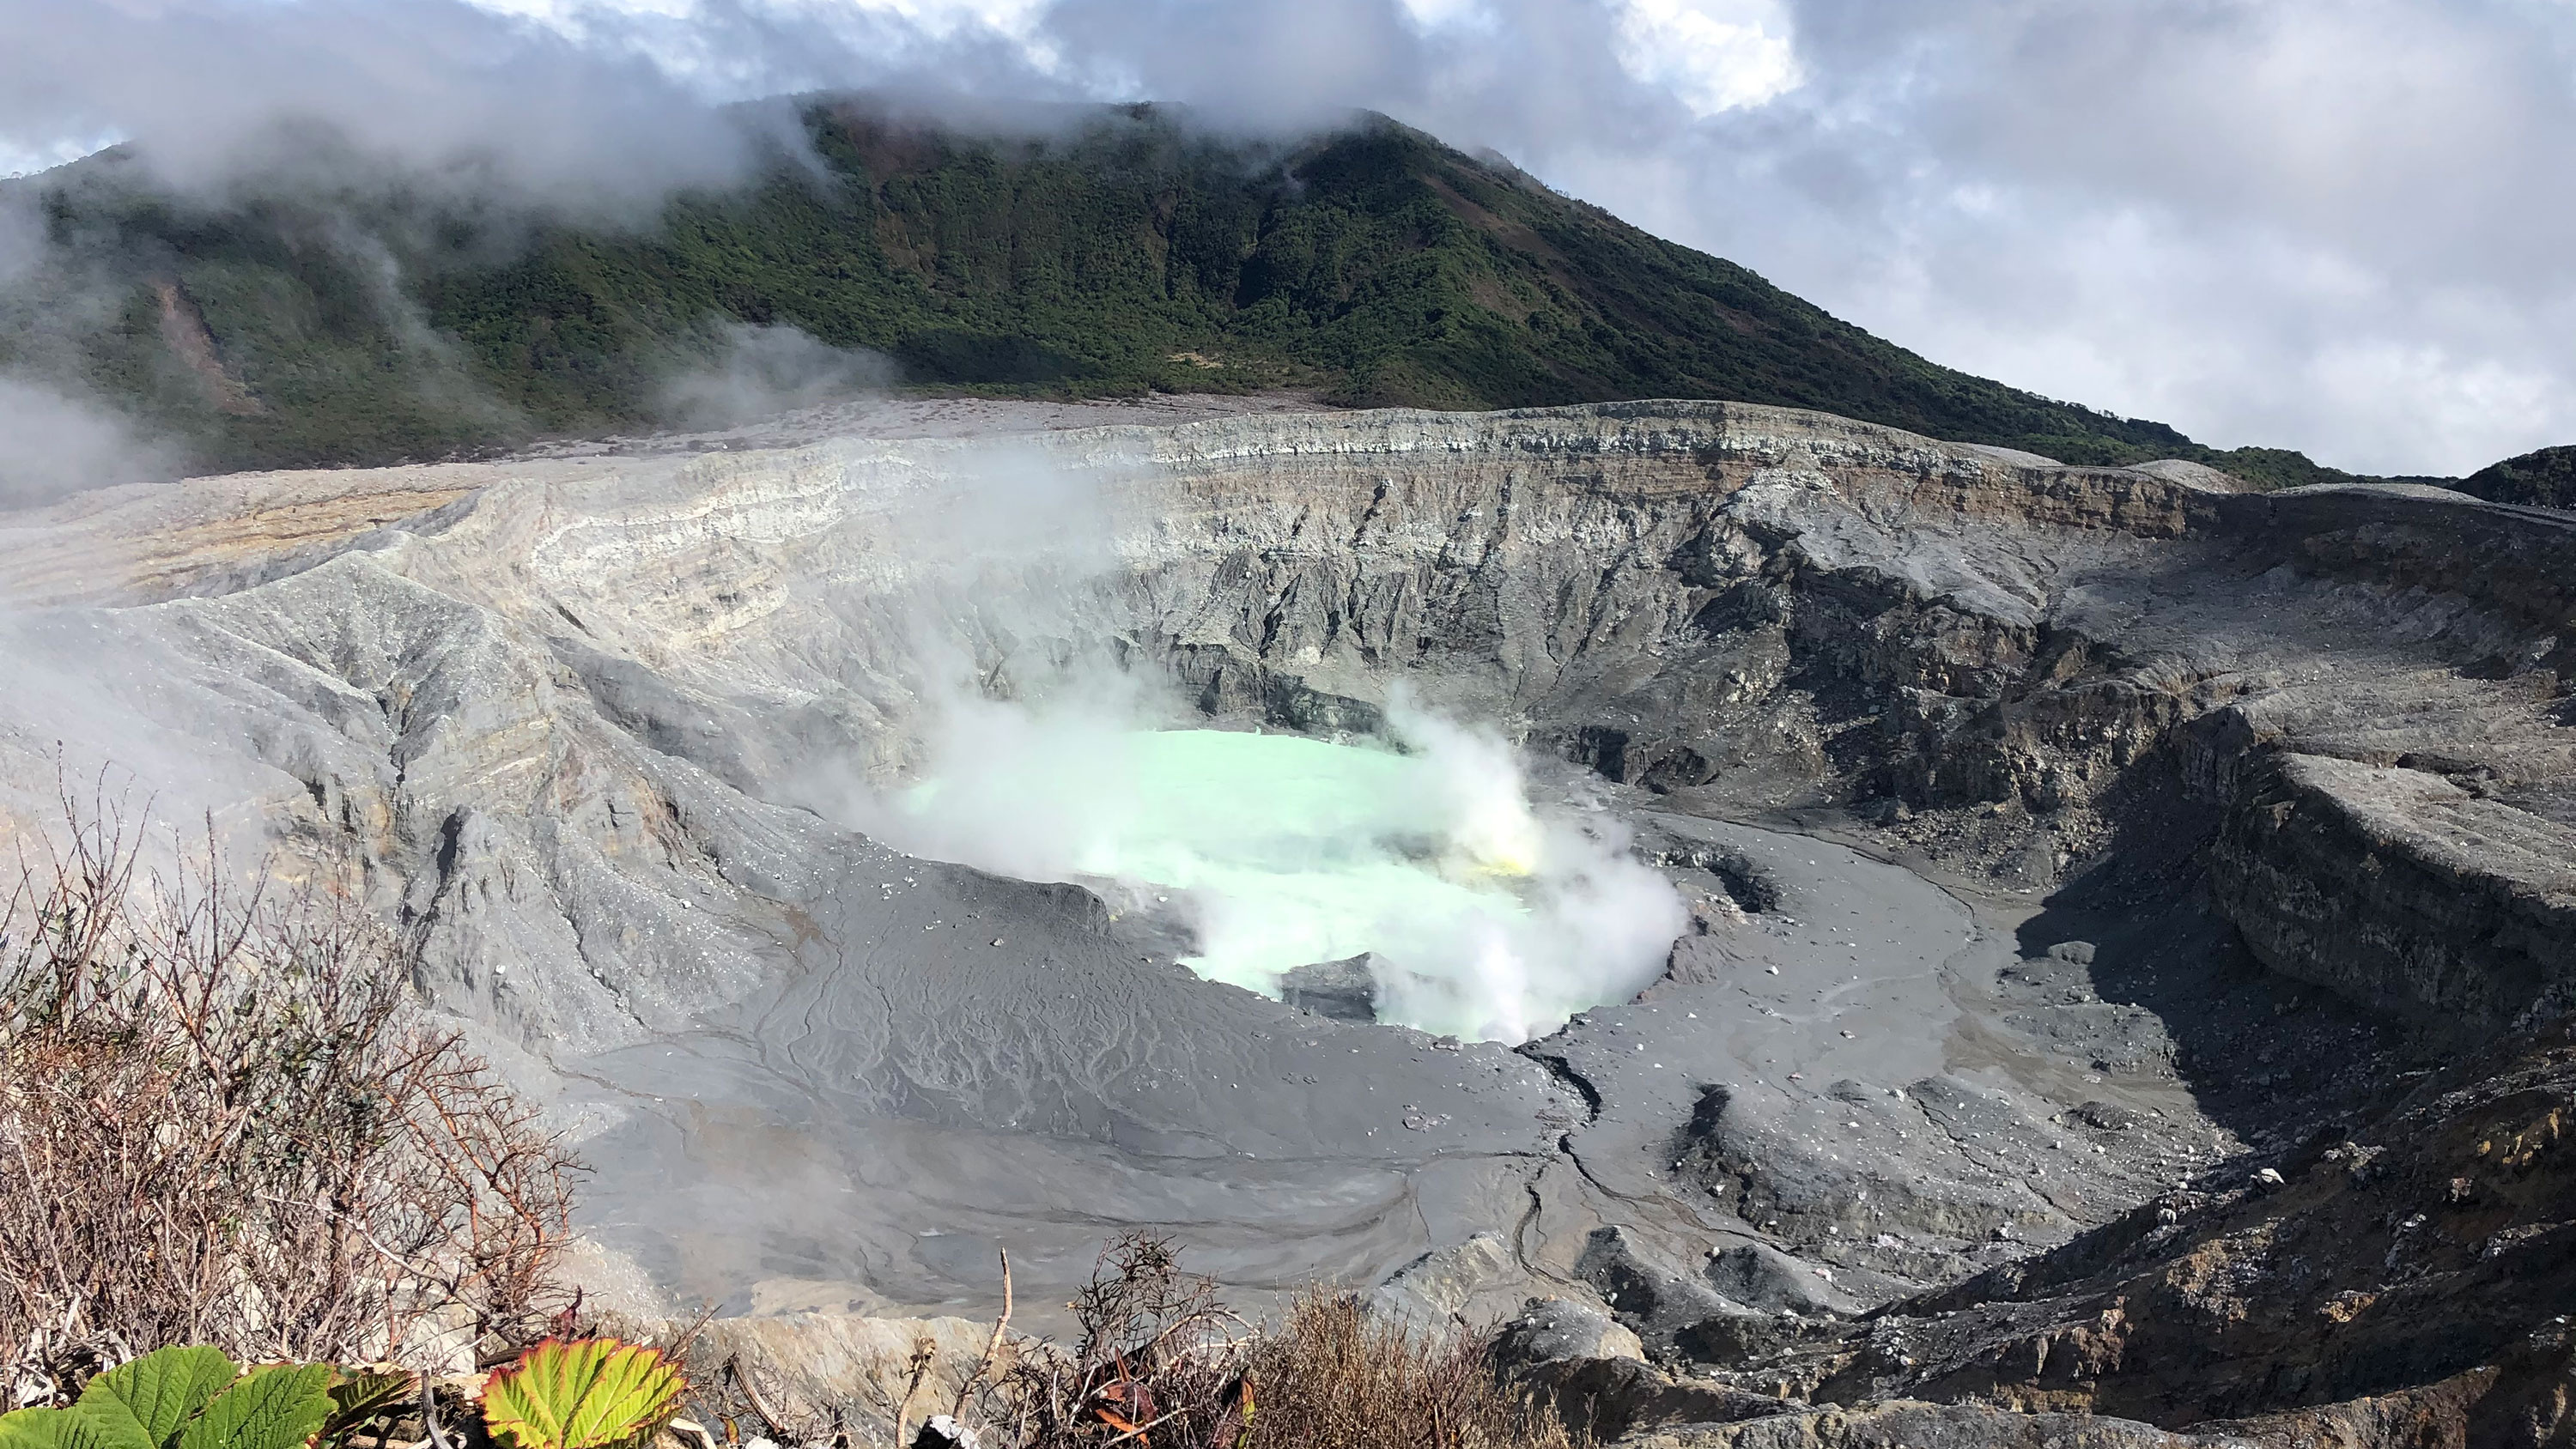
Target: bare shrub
{"points": [[1157, 1359], [1334, 1377], [1153, 1350], [223, 1121]]}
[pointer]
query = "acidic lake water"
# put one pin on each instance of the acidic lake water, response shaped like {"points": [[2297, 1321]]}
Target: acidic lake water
{"points": [[1490, 919]]}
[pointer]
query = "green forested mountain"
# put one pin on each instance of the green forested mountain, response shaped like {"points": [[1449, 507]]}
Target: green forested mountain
{"points": [[1126, 252], [2543, 479]]}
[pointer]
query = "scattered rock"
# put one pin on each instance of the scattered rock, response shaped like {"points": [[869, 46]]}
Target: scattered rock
{"points": [[2108, 1116]]}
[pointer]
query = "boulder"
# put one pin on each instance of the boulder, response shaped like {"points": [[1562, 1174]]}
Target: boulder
{"points": [[943, 1432], [1554, 1330], [1474, 1282], [1758, 1275], [1344, 990], [1648, 1291]]}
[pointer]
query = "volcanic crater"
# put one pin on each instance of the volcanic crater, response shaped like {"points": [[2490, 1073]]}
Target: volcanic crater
{"points": [[2113, 915]]}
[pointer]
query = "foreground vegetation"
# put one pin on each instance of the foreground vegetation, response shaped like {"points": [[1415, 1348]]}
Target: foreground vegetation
{"points": [[1157, 1356], [227, 1124], [592, 1394], [258, 1199], [310, 323]]}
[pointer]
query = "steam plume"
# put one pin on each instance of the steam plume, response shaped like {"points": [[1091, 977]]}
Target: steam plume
{"points": [[1049, 753], [769, 370], [1484, 915], [53, 443]]}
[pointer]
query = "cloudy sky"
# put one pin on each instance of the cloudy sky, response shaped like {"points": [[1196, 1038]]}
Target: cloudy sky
{"points": [[2337, 225]]}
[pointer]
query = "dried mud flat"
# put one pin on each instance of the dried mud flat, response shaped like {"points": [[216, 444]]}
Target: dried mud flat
{"points": [[2068, 848]]}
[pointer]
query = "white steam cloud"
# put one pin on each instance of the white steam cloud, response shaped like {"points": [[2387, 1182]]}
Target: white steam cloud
{"points": [[1051, 747], [766, 371], [108, 712], [215, 91], [53, 444], [1483, 914]]}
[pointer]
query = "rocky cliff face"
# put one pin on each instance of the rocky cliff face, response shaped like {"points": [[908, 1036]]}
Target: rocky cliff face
{"points": [[1765, 602], [582, 723]]}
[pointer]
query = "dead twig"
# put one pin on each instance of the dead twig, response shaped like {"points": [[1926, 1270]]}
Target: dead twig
{"points": [[429, 1416], [1140, 1430], [769, 1420], [992, 1345], [916, 1368]]}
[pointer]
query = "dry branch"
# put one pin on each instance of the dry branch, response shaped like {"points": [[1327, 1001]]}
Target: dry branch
{"points": [[229, 1122], [992, 1345]]}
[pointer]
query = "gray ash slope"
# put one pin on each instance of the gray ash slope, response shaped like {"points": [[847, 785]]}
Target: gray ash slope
{"points": [[2297, 771]]}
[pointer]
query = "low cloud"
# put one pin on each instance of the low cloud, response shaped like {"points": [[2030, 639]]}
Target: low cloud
{"points": [[2305, 223], [22, 233], [219, 91]]}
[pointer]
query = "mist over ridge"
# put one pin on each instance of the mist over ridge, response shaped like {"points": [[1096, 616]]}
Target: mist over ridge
{"points": [[331, 304], [2153, 212]]}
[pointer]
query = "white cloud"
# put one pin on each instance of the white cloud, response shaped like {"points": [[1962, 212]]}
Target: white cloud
{"points": [[1443, 14], [53, 443], [1715, 55], [25, 156], [2322, 224], [2297, 223]]}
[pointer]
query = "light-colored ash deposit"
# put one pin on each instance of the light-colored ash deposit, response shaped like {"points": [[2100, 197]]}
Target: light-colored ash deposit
{"points": [[1860, 909]]}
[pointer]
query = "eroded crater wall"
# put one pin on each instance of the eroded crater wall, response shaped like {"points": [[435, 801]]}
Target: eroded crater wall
{"points": [[1757, 604], [579, 720]]}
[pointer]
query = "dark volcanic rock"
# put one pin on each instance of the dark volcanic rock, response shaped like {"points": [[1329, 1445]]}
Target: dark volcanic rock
{"points": [[1760, 1276], [1343, 990], [1652, 1294], [1931, 1426], [2420, 1266], [1611, 1399], [2405, 890]]}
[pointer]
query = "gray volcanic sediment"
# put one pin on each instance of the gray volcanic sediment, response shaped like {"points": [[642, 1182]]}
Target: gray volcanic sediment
{"points": [[2051, 834]]}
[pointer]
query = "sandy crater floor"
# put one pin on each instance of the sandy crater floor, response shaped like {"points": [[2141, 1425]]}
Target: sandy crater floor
{"points": [[865, 1136]]}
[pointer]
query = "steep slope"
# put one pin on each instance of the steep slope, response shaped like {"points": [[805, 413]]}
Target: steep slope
{"points": [[360, 320]]}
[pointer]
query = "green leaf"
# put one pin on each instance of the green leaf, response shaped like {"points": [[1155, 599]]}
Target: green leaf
{"points": [[592, 1394], [364, 1395], [143, 1403], [277, 1407], [54, 1429]]}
